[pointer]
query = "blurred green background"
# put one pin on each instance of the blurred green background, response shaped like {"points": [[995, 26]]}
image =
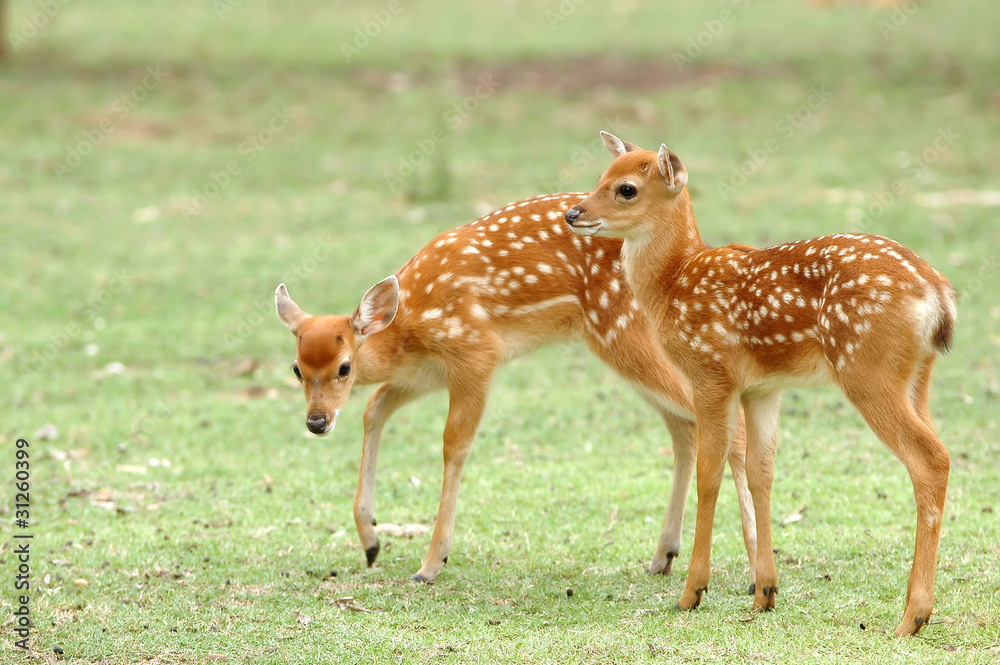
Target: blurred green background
{"points": [[164, 165]]}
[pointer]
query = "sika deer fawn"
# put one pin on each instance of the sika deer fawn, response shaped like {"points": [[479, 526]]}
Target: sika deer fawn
{"points": [[474, 298], [741, 324]]}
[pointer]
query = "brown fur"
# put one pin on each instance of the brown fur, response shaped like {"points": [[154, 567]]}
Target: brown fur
{"points": [[741, 323], [503, 285]]}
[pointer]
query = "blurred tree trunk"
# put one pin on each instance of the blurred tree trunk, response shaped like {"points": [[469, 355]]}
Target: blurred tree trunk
{"points": [[3, 31]]}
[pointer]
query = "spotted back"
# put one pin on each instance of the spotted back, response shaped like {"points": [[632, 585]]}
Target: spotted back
{"points": [[829, 296], [517, 276]]}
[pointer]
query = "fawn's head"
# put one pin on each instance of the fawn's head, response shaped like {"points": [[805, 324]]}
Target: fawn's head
{"points": [[632, 192], [326, 347]]}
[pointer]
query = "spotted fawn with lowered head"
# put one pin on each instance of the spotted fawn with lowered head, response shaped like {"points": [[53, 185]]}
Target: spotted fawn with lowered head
{"points": [[860, 311], [501, 286]]}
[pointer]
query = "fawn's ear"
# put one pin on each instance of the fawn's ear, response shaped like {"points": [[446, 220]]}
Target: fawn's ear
{"points": [[675, 176], [616, 146], [289, 313], [377, 308]]}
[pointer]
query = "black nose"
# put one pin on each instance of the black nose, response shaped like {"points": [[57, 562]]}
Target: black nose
{"points": [[316, 423], [572, 215]]}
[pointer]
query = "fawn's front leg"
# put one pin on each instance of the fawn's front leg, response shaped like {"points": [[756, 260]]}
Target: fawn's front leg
{"points": [[685, 454], [713, 434], [386, 399], [467, 400]]}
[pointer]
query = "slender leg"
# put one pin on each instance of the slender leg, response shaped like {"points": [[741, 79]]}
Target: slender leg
{"points": [[685, 458], [761, 412], [920, 391], [894, 420], [713, 432], [737, 457], [637, 358], [465, 410], [386, 399]]}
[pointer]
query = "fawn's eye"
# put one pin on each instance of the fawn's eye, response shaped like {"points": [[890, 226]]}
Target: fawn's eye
{"points": [[298, 374], [627, 191], [345, 369]]}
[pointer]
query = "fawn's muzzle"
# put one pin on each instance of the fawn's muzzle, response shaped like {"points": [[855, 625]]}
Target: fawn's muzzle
{"points": [[317, 423], [581, 227]]}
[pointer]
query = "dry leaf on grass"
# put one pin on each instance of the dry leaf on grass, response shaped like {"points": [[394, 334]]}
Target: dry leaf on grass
{"points": [[794, 517], [47, 432], [242, 367], [257, 392], [348, 603], [402, 530]]}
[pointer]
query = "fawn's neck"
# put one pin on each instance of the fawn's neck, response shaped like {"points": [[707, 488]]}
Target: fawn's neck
{"points": [[652, 261], [376, 359]]}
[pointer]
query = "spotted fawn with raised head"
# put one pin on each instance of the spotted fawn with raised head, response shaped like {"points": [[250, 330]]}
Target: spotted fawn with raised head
{"points": [[501, 286], [860, 311]]}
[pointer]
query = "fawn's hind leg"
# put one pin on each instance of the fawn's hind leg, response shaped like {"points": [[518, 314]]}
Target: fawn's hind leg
{"points": [[761, 412], [893, 418]]}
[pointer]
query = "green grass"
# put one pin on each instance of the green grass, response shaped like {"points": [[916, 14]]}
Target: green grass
{"points": [[228, 550]]}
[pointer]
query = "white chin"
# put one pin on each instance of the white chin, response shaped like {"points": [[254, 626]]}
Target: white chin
{"points": [[587, 230]]}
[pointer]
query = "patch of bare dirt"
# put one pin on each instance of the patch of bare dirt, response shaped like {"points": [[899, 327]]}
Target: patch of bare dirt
{"points": [[585, 74], [556, 76]]}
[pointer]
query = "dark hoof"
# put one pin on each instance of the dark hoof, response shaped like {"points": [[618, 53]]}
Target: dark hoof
{"points": [[670, 562], [753, 590], [371, 553], [423, 580], [769, 592], [697, 601], [444, 560]]}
